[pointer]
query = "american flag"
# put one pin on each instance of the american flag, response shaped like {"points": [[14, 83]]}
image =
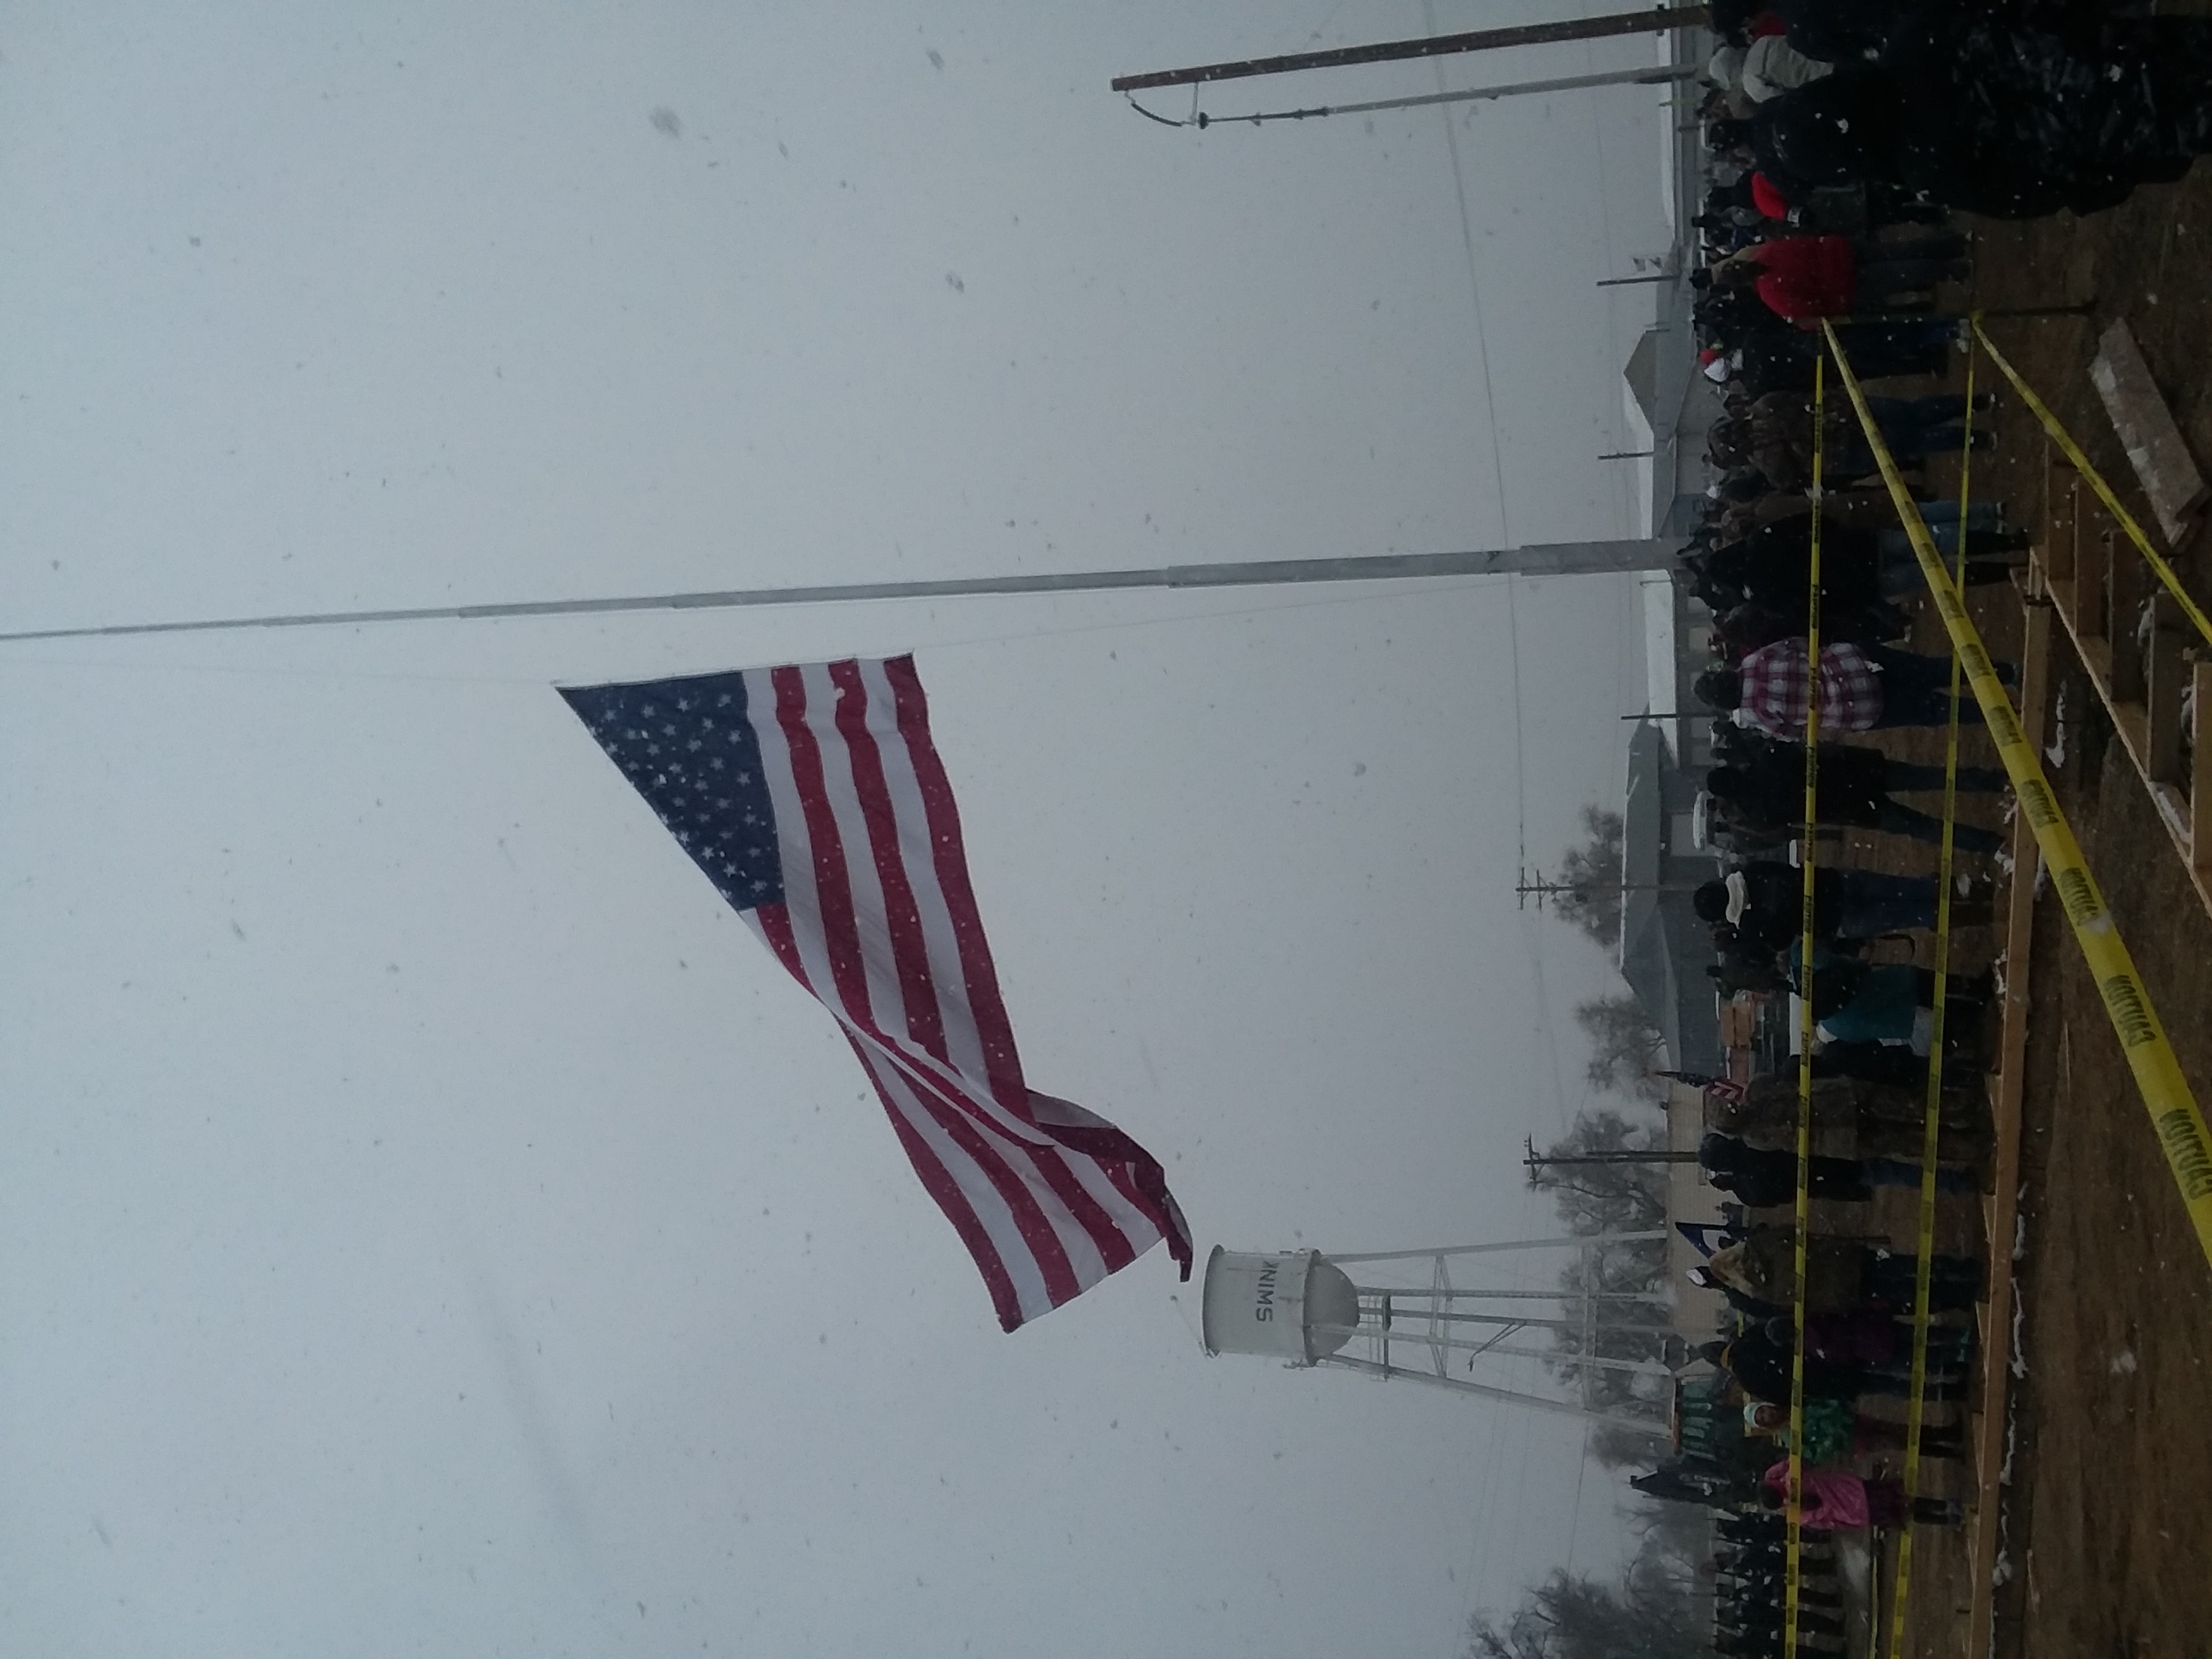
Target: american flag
{"points": [[814, 800]]}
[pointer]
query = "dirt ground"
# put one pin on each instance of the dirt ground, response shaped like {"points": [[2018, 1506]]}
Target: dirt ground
{"points": [[2107, 1528]]}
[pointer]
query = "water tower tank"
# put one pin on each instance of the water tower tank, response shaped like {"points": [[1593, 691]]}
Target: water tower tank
{"points": [[1289, 1304]]}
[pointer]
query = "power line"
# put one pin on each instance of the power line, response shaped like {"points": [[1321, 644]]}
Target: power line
{"points": [[1474, 288]]}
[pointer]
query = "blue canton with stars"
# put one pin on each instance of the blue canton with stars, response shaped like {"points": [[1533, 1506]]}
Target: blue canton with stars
{"points": [[691, 752]]}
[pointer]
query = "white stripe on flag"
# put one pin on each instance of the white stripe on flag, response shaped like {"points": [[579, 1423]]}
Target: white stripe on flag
{"points": [[793, 840], [988, 1205], [887, 1003], [968, 1086], [963, 1043]]}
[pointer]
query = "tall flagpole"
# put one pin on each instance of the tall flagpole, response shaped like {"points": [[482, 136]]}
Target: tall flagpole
{"points": [[1556, 559]]}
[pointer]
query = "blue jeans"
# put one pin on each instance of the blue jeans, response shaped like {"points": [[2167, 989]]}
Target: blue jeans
{"points": [[1915, 825], [1906, 777], [1980, 515], [1916, 690], [1869, 904], [1890, 1279], [1896, 1172], [1897, 416]]}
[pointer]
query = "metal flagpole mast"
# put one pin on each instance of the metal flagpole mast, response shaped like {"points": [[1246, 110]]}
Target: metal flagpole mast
{"points": [[1656, 21], [1556, 559]]}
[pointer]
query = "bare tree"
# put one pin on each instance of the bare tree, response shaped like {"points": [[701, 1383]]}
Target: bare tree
{"points": [[1623, 1044], [1622, 1285], [1607, 1198], [1617, 1446], [1588, 885], [1575, 1616]]}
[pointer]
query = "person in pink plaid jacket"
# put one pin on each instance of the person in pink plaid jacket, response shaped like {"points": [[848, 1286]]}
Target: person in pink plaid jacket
{"points": [[1863, 688]]}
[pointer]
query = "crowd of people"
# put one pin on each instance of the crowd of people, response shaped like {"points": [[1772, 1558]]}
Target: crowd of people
{"points": [[1841, 138], [1858, 1293], [2010, 109]]}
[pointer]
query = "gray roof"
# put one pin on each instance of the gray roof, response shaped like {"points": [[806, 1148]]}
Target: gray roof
{"points": [[1664, 947]]}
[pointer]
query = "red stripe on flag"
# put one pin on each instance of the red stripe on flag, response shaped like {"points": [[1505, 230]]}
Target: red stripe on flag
{"points": [[990, 1154], [937, 1182], [833, 884], [1115, 1248], [872, 790], [925, 1025], [950, 856], [776, 928]]}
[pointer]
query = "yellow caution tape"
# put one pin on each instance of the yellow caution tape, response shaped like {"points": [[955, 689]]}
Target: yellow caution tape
{"points": [[1931, 1127], [1793, 1496], [2064, 439], [2174, 1111]]}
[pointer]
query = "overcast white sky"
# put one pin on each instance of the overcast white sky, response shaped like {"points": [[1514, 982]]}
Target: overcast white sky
{"points": [[427, 1221]]}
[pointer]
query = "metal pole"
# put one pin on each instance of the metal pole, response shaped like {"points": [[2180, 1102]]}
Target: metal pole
{"points": [[1627, 454], [1627, 281], [1535, 1163], [1509, 1244], [1656, 21], [1540, 1402], [1415, 1297], [1556, 559], [1564, 1356], [1556, 889], [1516, 1321]]}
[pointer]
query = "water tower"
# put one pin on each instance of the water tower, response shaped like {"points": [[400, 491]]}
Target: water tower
{"points": [[1303, 1308]]}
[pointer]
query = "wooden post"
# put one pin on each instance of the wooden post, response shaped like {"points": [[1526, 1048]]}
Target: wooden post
{"points": [[2164, 670], [1988, 1426], [2124, 597], [2062, 516], [2200, 775]]}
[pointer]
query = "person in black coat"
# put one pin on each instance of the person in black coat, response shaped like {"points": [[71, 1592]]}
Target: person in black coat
{"points": [[1765, 1179], [1741, 628], [1775, 801], [2013, 111], [1768, 900], [1763, 779], [1860, 569]]}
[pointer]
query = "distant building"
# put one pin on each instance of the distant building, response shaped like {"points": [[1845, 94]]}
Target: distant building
{"points": [[1670, 407], [1664, 948], [1669, 404]]}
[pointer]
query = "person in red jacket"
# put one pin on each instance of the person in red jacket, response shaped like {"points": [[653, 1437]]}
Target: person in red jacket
{"points": [[1806, 278], [1768, 199]]}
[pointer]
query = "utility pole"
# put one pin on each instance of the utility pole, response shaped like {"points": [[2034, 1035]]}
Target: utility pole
{"points": [[1542, 888], [1656, 21], [1535, 1161], [1554, 559]]}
